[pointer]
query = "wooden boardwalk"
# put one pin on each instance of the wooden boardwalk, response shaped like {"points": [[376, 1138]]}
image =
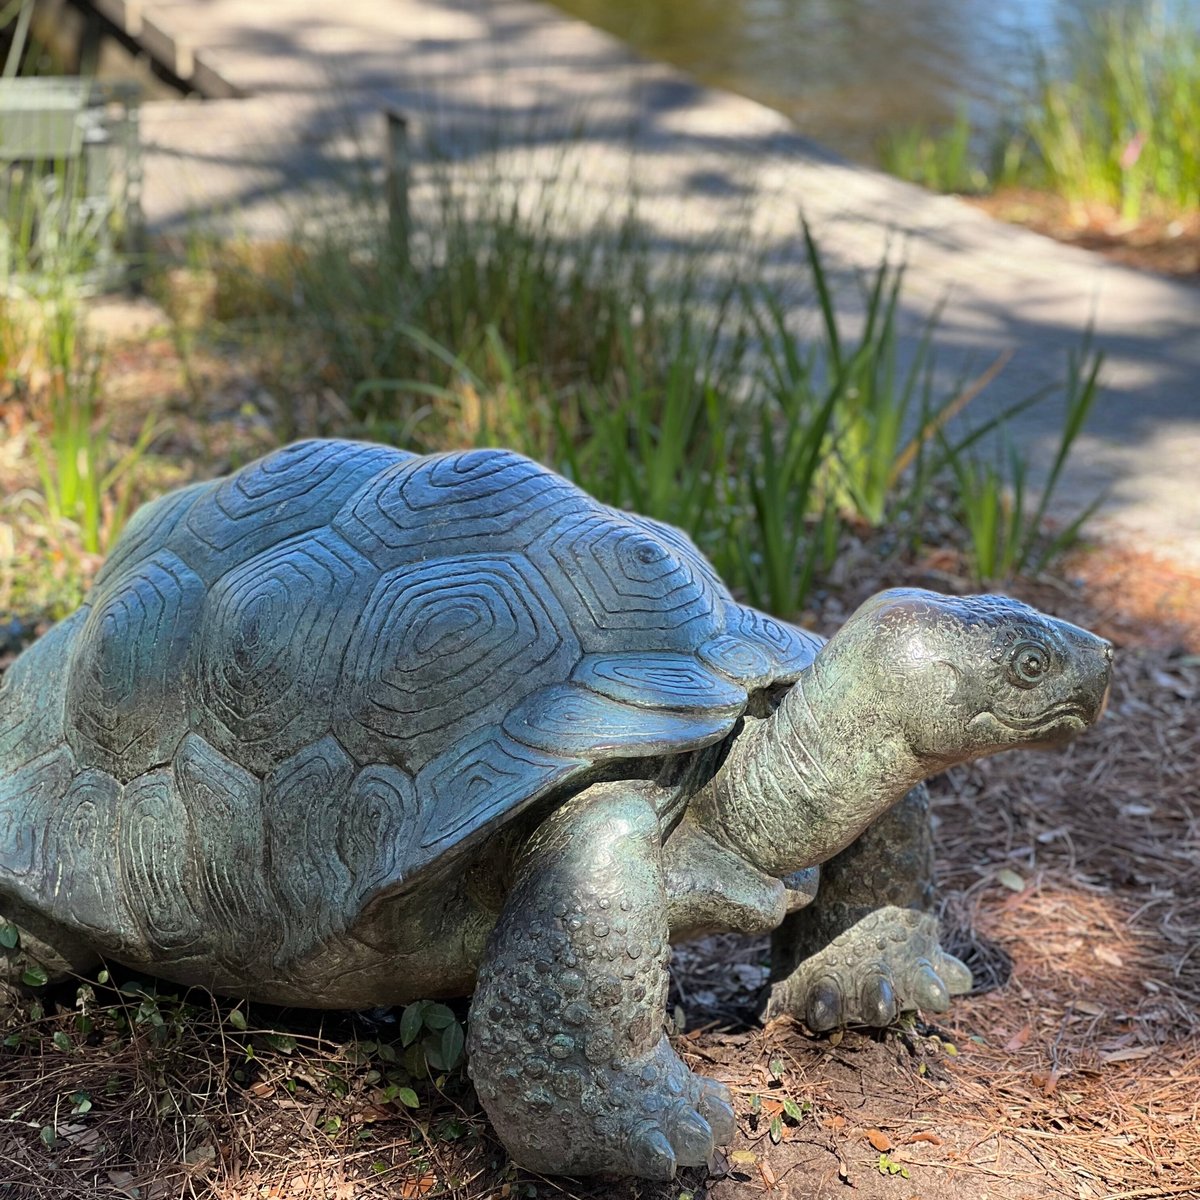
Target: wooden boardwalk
{"points": [[297, 88]]}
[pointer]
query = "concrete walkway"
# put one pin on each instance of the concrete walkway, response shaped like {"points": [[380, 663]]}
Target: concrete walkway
{"points": [[524, 90]]}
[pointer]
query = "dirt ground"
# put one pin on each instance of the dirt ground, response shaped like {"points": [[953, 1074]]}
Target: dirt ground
{"points": [[1169, 246], [1070, 882]]}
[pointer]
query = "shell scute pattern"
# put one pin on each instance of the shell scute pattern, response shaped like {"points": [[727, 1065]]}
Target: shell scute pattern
{"points": [[271, 644], [475, 785], [451, 505], [473, 634], [30, 797], [226, 836], [159, 876], [126, 711], [146, 534], [81, 859], [302, 832], [293, 491], [630, 589]]}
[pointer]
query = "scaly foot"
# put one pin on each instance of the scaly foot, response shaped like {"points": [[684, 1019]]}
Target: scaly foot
{"points": [[888, 963]]}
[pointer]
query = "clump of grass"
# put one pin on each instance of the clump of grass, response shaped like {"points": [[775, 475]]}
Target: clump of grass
{"points": [[1006, 529], [1122, 127], [1115, 124], [942, 160]]}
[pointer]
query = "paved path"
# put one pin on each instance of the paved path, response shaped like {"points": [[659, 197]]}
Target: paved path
{"points": [[526, 90]]}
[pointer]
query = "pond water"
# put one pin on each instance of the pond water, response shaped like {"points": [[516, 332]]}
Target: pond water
{"points": [[850, 71]]}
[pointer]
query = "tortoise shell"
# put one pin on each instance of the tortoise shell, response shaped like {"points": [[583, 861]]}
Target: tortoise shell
{"points": [[293, 691]]}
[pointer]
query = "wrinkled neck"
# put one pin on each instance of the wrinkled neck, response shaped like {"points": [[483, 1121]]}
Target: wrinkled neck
{"points": [[800, 785]]}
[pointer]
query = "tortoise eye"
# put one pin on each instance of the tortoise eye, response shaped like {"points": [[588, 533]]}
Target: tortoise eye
{"points": [[1028, 663]]}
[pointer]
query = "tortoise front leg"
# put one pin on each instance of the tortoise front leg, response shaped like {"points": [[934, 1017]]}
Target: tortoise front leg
{"points": [[867, 949], [567, 1045]]}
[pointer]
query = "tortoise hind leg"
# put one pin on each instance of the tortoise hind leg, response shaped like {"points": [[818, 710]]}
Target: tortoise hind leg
{"points": [[567, 1045], [867, 949]]}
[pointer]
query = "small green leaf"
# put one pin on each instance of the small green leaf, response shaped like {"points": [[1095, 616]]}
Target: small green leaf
{"points": [[380, 1168], [438, 1016], [776, 1067], [48, 1136], [776, 1130], [408, 1097], [431, 1044], [237, 1018], [103, 977], [280, 1041], [755, 1103], [332, 1125], [411, 1023], [34, 977], [792, 1109], [9, 936], [63, 1042], [1011, 880], [82, 1102], [452, 1045]]}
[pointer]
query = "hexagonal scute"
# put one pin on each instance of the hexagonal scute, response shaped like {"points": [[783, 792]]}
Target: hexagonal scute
{"points": [[293, 491], [226, 840], [626, 588], [303, 802], [126, 709], [30, 798], [160, 876], [81, 849], [477, 502], [475, 786], [445, 648], [265, 667]]}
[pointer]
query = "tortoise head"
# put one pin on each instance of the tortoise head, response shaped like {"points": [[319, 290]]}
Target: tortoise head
{"points": [[972, 675]]}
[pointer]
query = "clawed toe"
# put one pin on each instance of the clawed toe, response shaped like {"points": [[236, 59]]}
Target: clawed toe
{"points": [[713, 1104], [955, 974], [651, 1155], [877, 1000], [824, 1008], [691, 1136], [927, 989]]}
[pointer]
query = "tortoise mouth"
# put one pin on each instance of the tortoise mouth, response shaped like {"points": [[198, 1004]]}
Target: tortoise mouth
{"points": [[1070, 713]]}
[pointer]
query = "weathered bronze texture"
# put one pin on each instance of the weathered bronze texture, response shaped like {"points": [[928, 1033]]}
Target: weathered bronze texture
{"points": [[353, 727]]}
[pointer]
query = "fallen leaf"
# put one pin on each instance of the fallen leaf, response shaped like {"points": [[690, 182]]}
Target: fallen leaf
{"points": [[1020, 1038], [1011, 880], [742, 1158], [926, 1135], [1105, 955], [764, 1169], [879, 1140], [1129, 1055], [261, 1089], [412, 1188], [834, 1123], [835, 1038]]}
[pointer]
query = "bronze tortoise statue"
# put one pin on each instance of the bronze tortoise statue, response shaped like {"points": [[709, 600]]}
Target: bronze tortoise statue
{"points": [[353, 727]]}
